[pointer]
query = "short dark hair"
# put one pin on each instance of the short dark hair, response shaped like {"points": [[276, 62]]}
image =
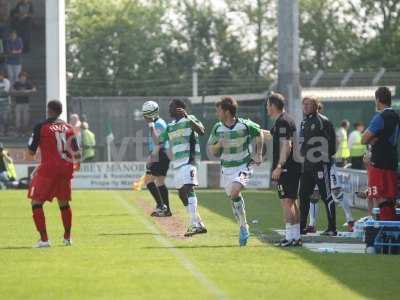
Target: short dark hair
{"points": [[178, 103], [277, 100], [23, 73], [356, 124], [228, 103], [383, 95], [2, 74], [55, 106]]}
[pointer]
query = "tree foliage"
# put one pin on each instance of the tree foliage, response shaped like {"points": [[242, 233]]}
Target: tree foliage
{"points": [[138, 47]]}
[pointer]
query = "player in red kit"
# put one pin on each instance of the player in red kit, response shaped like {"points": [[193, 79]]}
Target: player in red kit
{"points": [[52, 178]]}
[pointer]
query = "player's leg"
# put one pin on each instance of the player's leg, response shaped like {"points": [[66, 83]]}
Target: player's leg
{"points": [[347, 212], [186, 178], [189, 199], [296, 234], [63, 195], [385, 194], [307, 184], [162, 188], [39, 191], [324, 186], [149, 181], [239, 210], [288, 190], [339, 197], [66, 217], [40, 222], [314, 208], [161, 173]]}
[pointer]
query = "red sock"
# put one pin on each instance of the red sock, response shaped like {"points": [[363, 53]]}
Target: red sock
{"points": [[66, 216], [40, 221]]}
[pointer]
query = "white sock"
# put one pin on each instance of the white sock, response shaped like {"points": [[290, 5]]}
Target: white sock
{"points": [[313, 214], [192, 209], [296, 231], [288, 232], [240, 211], [347, 210], [235, 213]]}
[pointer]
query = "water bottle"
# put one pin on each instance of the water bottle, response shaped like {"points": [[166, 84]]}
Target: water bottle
{"points": [[375, 213]]}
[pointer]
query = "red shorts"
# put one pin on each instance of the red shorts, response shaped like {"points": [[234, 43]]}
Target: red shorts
{"points": [[47, 185], [382, 183]]}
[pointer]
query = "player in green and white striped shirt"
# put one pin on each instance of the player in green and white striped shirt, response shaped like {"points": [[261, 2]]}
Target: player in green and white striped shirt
{"points": [[183, 136], [231, 139]]}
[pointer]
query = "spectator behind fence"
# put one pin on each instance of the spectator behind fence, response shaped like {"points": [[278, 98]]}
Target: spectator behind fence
{"points": [[357, 149], [3, 32], [2, 55], [4, 104], [14, 47], [343, 152], [23, 86], [88, 143], [76, 126], [7, 168], [22, 22]]}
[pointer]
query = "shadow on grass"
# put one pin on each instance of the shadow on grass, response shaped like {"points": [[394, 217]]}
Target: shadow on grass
{"points": [[15, 248], [100, 215], [360, 273], [127, 234], [202, 246]]}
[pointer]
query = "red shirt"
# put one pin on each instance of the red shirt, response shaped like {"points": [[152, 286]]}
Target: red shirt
{"points": [[57, 143]]}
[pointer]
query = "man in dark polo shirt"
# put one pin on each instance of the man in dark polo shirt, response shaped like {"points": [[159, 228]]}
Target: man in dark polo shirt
{"points": [[286, 172], [383, 134]]}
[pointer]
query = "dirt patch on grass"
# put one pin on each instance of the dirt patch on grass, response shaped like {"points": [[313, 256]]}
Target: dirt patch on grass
{"points": [[173, 226]]}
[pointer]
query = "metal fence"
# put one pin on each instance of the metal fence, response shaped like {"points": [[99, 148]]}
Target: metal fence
{"points": [[123, 116]]}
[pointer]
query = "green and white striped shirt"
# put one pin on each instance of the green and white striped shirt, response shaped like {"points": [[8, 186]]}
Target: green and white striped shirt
{"points": [[183, 141], [235, 141]]}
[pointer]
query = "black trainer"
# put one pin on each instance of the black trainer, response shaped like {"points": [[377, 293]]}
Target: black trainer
{"points": [[283, 243], [329, 232]]}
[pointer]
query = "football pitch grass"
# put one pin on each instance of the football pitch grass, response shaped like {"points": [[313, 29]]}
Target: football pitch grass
{"points": [[119, 252]]}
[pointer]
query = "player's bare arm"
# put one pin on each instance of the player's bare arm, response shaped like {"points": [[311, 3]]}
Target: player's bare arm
{"points": [[259, 148], [266, 134], [368, 138], [215, 149], [153, 131], [285, 148], [197, 126]]}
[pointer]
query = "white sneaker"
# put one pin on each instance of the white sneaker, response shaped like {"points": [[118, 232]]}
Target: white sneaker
{"points": [[67, 242], [42, 244]]}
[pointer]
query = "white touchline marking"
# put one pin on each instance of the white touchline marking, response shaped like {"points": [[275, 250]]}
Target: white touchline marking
{"points": [[209, 285]]}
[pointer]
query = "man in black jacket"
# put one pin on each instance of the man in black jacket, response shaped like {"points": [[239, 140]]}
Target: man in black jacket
{"points": [[318, 145]]}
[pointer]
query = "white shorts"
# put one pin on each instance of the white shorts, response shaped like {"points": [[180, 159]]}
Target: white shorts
{"points": [[239, 174], [186, 174]]}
